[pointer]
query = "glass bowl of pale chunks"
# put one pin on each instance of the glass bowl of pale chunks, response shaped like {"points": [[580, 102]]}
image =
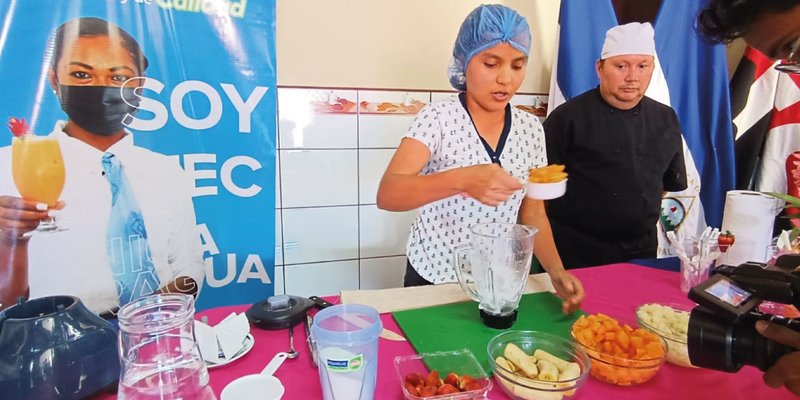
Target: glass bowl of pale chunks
{"points": [[531, 365], [671, 322], [620, 354]]}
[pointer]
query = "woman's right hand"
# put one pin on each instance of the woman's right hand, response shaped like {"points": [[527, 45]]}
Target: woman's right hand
{"points": [[490, 184], [18, 216]]}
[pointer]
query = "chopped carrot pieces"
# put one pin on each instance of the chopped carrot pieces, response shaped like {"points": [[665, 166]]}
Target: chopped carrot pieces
{"points": [[606, 336]]}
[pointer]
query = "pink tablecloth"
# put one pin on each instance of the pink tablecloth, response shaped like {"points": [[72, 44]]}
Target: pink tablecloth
{"points": [[614, 289]]}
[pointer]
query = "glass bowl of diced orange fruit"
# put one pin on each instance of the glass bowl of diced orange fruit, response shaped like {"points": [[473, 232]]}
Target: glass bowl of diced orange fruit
{"points": [[620, 353]]}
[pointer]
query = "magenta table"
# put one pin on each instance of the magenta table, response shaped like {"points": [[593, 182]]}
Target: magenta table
{"points": [[613, 289]]}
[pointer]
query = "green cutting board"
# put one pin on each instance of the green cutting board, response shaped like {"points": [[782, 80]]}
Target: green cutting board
{"points": [[458, 326]]}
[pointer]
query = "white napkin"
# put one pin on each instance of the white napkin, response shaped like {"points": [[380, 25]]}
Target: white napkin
{"points": [[222, 342], [784, 243], [207, 342], [750, 217]]}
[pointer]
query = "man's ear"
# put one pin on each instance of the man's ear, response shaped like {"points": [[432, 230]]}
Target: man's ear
{"points": [[597, 65]]}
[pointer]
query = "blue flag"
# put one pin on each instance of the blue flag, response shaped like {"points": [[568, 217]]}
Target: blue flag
{"points": [[697, 77]]}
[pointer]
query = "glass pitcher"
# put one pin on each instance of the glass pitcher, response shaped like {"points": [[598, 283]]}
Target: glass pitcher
{"points": [[493, 269], [159, 357]]}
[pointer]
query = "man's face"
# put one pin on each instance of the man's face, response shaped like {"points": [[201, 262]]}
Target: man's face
{"points": [[95, 61], [774, 34], [494, 75], [624, 79]]}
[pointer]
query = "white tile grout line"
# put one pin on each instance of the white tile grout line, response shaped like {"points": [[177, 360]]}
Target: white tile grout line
{"points": [[358, 185], [343, 259]]}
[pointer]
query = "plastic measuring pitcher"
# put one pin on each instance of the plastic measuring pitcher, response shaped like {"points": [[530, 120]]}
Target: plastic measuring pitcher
{"points": [[493, 269], [347, 351]]}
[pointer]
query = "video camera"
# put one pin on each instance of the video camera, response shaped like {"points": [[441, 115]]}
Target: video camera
{"points": [[722, 332]]}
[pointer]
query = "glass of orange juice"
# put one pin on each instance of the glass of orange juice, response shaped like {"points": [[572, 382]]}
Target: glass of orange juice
{"points": [[38, 171]]}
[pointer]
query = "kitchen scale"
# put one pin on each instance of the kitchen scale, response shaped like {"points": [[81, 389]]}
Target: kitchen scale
{"points": [[279, 312]]}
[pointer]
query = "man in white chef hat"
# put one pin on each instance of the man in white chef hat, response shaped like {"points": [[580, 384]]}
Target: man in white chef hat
{"points": [[622, 151]]}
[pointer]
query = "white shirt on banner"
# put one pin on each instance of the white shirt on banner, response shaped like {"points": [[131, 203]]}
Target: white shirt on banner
{"points": [[75, 261], [447, 130]]}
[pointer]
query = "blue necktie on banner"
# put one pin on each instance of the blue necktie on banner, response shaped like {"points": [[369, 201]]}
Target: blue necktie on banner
{"points": [[126, 237]]}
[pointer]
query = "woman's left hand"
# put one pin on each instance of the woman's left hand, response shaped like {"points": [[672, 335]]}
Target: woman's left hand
{"points": [[569, 289]]}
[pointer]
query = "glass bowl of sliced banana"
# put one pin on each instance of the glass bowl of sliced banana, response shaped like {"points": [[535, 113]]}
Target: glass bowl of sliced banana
{"points": [[532, 365]]}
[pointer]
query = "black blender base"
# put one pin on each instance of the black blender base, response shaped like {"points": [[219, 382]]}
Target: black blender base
{"points": [[498, 321]]}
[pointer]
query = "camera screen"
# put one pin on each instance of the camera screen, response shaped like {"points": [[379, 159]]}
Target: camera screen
{"points": [[728, 292]]}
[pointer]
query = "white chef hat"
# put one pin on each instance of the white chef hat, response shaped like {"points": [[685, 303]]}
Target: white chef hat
{"points": [[632, 38]]}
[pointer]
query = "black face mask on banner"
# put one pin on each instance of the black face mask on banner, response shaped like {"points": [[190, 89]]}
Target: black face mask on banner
{"points": [[98, 109]]}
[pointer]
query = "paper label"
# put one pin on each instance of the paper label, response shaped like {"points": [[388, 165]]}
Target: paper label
{"points": [[346, 365]]}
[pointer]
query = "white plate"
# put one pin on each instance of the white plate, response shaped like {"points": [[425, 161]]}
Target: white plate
{"points": [[247, 345]]}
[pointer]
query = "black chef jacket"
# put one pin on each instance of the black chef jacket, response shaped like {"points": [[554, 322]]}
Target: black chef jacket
{"points": [[619, 163]]}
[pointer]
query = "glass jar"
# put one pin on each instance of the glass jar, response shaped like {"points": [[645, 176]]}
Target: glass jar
{"points": [[160, 359]]}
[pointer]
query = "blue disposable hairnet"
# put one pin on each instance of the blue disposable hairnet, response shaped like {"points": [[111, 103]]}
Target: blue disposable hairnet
{"points": [[484, 28]]}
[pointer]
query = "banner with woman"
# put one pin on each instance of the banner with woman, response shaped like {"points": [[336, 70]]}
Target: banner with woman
{"points": [[147, 150]]}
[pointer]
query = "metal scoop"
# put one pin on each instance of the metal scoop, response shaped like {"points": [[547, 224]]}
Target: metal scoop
{"points": [[292, 353]]}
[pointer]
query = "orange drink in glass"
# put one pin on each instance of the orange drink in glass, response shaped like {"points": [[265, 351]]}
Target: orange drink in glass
{"points": [[38, 171]]}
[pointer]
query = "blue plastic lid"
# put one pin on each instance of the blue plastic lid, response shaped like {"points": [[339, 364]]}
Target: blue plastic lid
{"points": [[346, 325]]}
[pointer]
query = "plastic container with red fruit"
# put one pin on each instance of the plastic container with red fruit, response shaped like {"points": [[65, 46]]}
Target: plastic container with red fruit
{"points": [[452, 375]]}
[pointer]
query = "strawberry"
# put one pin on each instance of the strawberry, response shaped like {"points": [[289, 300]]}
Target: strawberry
{"points": [[451, 379], [411, 389], [474, 385], [447, 389], [414, 378], [433, 379], [428, 391], [725, 241], [465, 380], [18, 126]]}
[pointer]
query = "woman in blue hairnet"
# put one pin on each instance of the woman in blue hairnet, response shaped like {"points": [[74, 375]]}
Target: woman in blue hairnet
{"points": [[464, 159]]}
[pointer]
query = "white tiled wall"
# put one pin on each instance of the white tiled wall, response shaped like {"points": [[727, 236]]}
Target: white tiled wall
{"points": [[333, 148], [371, 164], [383, 233], [299, 126], [321, 278], [318, 234], [382, 131], [383, 272], [312, 178]]}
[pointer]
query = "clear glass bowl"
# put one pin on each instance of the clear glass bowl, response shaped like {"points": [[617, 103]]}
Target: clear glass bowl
{"points": [[461, 362], [676, 338], [623, 371], [523, 388]]}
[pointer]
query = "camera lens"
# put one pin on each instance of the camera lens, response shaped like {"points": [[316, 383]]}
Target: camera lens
{"points": [[721, 344]]}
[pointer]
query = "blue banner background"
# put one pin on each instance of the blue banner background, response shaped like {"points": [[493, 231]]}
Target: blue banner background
{"points": [[181, 46]]}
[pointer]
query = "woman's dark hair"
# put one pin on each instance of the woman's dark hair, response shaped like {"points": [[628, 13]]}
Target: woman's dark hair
{"points": [[726, 20], [88, 27]]}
